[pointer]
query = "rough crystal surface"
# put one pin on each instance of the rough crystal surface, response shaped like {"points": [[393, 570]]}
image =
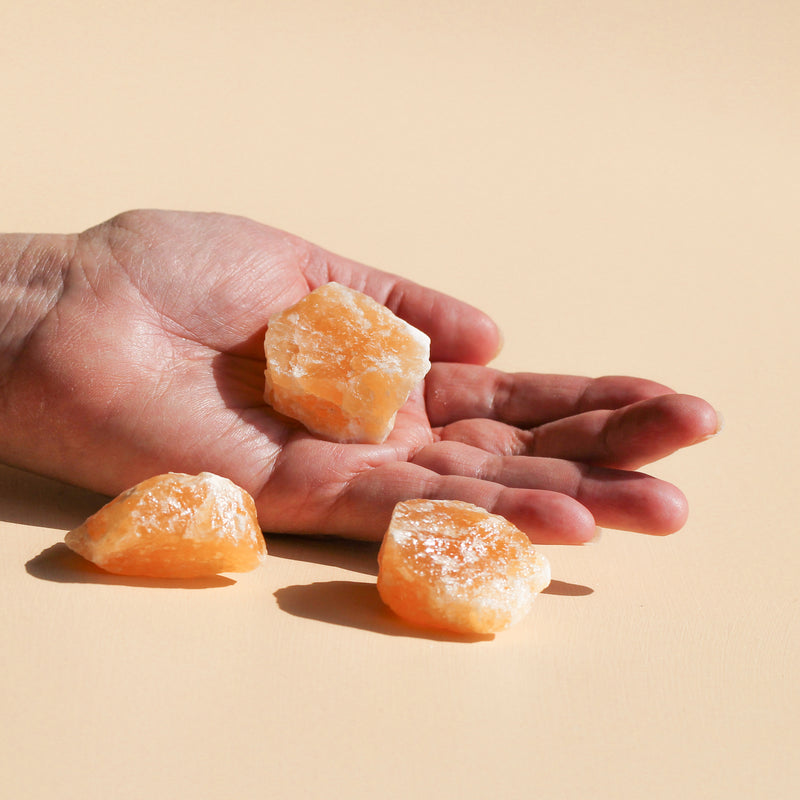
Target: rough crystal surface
{"points": [[174, 526], [342, 364], [452, 565]]}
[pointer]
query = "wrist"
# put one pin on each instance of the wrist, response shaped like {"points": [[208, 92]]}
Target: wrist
{"points": [[32, 273], [32, 276]]}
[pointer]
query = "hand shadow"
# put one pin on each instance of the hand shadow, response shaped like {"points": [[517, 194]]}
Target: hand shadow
{"points": [[59, 564], [31, 499], [356, 556], [355, 604]]}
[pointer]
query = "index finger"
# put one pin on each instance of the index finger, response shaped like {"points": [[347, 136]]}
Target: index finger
{"points": [[459, 332]]}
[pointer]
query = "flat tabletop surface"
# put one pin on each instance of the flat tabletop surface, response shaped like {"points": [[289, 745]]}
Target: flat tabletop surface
{"points": [[617, 184]]}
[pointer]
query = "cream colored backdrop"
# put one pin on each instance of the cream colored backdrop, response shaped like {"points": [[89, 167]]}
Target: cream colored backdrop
{"points": [[617, 183]]}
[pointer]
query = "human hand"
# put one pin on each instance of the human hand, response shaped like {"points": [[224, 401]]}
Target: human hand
{"points": [[152, 361]]}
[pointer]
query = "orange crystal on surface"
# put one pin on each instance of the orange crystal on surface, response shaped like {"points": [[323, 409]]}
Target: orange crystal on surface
{"points": [[452, 565], [342, 364], [174, 526]]}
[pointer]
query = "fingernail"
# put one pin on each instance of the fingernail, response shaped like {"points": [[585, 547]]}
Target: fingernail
{"points": [[720, 426], [501, 340], [598, 535]]}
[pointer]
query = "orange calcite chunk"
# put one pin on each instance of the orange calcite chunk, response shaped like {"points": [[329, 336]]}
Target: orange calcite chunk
{"points": [[174, 526], [342, 364], [452, 565]]}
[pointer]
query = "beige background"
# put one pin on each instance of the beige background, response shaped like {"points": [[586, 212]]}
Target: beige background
{"points": [[617, 183]]}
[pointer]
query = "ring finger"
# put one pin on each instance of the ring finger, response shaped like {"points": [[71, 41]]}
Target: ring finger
{"points": [[616, 498]]}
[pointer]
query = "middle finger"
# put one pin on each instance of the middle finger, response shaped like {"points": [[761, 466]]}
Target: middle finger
{"points": [[627, 437]]}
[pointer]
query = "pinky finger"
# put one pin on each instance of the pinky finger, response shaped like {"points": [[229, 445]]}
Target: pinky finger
{"points": [[365, 505]]}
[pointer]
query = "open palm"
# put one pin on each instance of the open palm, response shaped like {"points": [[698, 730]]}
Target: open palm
{"points": [[153, 361]]}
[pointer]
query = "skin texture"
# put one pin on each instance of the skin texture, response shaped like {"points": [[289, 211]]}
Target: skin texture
{"points": [[136, 348]]}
